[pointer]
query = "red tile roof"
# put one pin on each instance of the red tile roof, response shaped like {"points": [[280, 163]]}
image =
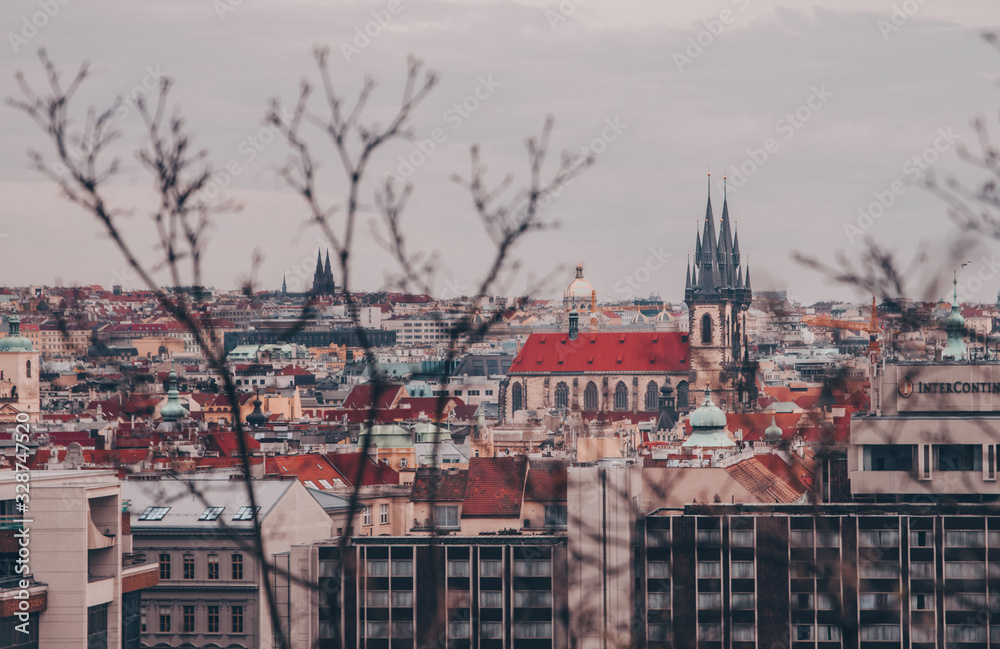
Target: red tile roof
{"points": [[361, 395], [629, 353], [546, 481], [228, 445], [446, 486], [312, 467], [372, 473], [495, 487]]}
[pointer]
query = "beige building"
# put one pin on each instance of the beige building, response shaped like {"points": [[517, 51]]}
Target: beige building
{"points": [[935, 431], [212, 591], [19, 368], [85, 582]]}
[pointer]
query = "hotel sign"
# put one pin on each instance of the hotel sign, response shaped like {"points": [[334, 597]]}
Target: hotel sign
{"points": [[941, 387]]}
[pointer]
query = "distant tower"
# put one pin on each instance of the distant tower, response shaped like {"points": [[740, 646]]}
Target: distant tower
{"points": [[954, 324], [19, 367], [173, 410], [284, 285], [717, 293], [323, 283]]}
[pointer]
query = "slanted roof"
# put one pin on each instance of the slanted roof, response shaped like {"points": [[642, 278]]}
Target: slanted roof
{"points": [[626, 353], [361, 395], [188, 498], [372, 472], [546, 481], [495, 487], [439, 486], [761, 482]]}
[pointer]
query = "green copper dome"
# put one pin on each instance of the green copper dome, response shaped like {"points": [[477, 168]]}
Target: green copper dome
{"points": [[14, 341], [954, 324], [173, 410], [773, 432], [708, 415]]}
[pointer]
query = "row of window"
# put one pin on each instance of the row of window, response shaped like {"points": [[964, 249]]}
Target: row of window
{"points": [[461, 568], [591, 396], [460, 629], [831, 538], [212, 566], [189, 621]]}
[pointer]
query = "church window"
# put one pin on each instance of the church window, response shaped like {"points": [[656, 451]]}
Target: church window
{"points": [[516, 398], [706, 329], [590, 397], [28, 369], [621, 396], [562, 395], [652, 396], [682, 394]]}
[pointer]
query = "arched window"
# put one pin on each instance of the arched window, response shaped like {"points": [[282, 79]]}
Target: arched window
{"points": [[621, 396], [562, 395], [28, 369], [706, 329], [516, 398], [682, 395], [652, 397], [590, 397]]}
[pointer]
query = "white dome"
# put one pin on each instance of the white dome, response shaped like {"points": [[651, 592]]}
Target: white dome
{"points": [[579, 289]]}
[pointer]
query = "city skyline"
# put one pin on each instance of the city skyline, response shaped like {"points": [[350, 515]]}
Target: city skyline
{"points": [[657, 96]]}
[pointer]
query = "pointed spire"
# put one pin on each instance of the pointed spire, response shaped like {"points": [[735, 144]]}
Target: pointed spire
{"points": [[747, 286], [687, 279], [739, 277]]}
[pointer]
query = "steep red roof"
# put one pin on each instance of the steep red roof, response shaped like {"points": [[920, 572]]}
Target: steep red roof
{"points": [[643, 352], [293, 370], [372, 473], [311, 467], [495, 487], [228, 445], [361, 395], [547, 482], [447, 486]]}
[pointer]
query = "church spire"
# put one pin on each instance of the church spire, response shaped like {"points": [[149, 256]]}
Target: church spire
{"points": [[687, 279]]}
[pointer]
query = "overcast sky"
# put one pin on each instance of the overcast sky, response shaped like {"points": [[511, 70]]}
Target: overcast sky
{"points": [[839, 95]]}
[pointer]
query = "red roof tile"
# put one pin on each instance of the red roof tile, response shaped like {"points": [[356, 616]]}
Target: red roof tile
{"points": [[628, 353], [434, 486], [495, 487]]}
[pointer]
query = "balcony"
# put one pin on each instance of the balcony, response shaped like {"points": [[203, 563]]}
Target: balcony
{"points": [[427, 525], [11, 594], [138, 572]]}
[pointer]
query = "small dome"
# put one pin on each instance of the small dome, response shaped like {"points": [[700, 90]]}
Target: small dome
{"points": [[708, 415], [773, 432], [14, 341], [663, 316], [579, 290], [256, 418]]}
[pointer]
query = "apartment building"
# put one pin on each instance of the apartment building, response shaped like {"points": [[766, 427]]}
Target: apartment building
{"points": [[85, 583], [211, 590]]}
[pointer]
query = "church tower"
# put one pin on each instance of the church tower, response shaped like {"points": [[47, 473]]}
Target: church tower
{"points": [[323, 283], [717, 293], [19, 367]]}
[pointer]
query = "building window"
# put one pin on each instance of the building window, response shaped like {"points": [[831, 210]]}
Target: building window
{"points": [[532, 568], [459, 629], [658, 601], [491, 630], [556, 516], [446, 515], [97, 627], [562, 395], [383, 514], [189, 566], [27, 368], [959, 457], [682, 395], [213, 566], [621, 396], [402, 567], [706, 329], [366, 515], [533, 598], [403, 598], [532, 629], [164, 619], [490, 568], [744, 632], [188, 619], [458, 568], [164, 566], [590, 396], [237, 619], [213, 618], [490, 598], [889, 457], [652, 397], [516, 398], [709, 601], [402, 629], [743, 601], [709, 569], [742, 569], [237, 566]]}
